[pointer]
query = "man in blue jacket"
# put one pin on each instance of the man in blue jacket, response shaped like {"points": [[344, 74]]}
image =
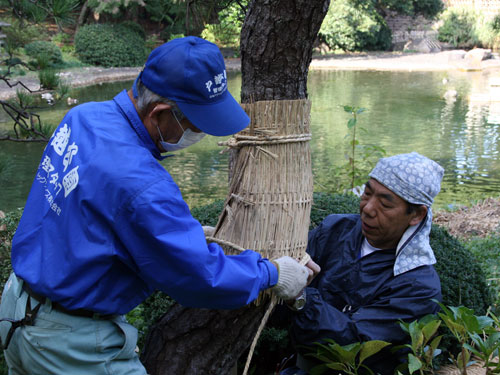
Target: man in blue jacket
{"points": [[376, 266], [105, 225]]}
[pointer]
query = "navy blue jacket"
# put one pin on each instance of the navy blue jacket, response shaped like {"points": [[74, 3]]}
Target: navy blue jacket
{"points": [[354, 299]]}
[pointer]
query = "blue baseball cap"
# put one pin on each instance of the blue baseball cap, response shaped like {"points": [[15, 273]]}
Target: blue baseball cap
{"points": [[191, 71]]}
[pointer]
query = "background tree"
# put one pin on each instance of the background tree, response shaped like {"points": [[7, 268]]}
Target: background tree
{"points": [[276, 50]]}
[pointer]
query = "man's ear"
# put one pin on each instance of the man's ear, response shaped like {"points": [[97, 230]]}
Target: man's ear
{"points": [[155, 110], [418, 215]]}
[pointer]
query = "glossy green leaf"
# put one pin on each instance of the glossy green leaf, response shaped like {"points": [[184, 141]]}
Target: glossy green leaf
{"points": [[430, 329], [370, 348], [414, 363]]}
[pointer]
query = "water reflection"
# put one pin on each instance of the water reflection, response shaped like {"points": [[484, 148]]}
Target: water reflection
{"points": [[405, 112]]}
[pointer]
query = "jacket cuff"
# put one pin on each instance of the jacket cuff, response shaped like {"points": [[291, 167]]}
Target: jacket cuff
{"points": [[272, 272]]}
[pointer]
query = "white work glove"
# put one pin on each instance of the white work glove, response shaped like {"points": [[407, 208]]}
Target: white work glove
{"points": [[292, 278], [208, 230]]}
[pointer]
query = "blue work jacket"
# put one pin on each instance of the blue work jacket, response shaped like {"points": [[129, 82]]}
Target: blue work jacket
{"points": [[357, 299], [105, 224]]}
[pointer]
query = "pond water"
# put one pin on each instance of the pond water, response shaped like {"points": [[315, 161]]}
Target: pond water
{"points": [[405, 111]]}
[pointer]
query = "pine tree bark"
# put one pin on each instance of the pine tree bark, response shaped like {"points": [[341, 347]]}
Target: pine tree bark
{"points": [[276, 50]]}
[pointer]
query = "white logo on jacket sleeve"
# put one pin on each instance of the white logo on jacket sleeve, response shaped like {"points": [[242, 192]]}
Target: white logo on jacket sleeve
{"points": [[70, 181], [47, 165], [61, 139], [72, 150]]}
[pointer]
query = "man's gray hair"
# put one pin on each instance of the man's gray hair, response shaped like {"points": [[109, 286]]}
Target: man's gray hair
{"points": [[145, 97]]}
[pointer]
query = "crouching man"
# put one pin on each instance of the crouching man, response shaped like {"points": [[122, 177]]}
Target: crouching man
{"points": [[376, 266]]}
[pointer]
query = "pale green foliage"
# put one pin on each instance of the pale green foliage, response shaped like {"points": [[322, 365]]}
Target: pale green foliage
{"points": [[459, 27], [423, 345], [226, 33], [354, 26], [112, 6], [348, 358], [360, 158], [468, 328]]}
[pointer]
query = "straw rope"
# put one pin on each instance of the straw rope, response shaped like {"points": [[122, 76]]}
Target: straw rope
{"points": [[265, 318], [238, 141], [226, 243]]}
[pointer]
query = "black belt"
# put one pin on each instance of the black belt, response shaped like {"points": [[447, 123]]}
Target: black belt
{"points": [[56, 306]]}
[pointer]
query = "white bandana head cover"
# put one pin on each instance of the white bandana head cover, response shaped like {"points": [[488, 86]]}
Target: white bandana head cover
{"points": [[417, 180]]}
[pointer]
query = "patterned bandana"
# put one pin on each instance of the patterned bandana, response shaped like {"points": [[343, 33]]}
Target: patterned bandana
{"points": [[417, 180]]}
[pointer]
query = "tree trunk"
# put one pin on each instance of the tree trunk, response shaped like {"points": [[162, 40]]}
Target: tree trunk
{"points": [[276, 50], [82, 17]]}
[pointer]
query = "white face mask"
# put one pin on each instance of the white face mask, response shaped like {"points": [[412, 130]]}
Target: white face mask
{"points": [[187, 139]]}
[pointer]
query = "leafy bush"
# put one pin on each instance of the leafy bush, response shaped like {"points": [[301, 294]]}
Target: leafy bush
{"points": [[27, 9], [325, 204], [463, 281], [355, 26], [208, 214], [135, 27], [428, 8], [488, 32], [42, 50], [486, 252], [18, 35], [8, 226], [226, 33], [48, 79], [459, 28], [110, 45]]}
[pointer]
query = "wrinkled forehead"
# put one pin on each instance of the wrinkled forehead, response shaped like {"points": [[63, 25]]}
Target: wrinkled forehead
{"points": [[380, 190]]}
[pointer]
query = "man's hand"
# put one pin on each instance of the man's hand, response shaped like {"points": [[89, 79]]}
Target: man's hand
{"points": [[292, 277], [314, 269]]}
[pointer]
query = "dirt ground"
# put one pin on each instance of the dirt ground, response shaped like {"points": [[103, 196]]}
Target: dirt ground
{"points": [[480, 220]]}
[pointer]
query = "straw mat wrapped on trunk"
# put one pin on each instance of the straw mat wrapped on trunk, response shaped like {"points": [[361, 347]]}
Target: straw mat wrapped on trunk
{"points": [[270, 194]]}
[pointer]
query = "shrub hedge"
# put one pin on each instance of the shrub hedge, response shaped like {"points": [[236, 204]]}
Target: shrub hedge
{"points": [[458, 28], [110, 45], [355, 26], [43, 50]]}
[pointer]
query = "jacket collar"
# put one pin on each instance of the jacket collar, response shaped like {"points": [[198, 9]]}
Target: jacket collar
{"points": [[414, 249], [128, 109]]}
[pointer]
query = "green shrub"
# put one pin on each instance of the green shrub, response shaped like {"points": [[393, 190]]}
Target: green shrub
{"points": [[354, 26], [486, 250], [459, 28], [109, 45], [488, 32], [46, 51], [49, 79], [208, 214], [325, 204], [135, 27], [463, 281], [18, 35], [10, 221], [28, 10], [226, 33]]}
